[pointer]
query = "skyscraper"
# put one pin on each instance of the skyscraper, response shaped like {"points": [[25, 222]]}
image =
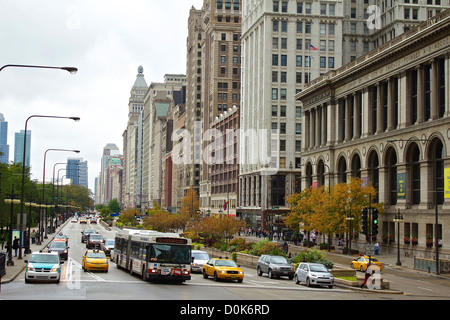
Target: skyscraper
{"points": [[18, 147], [4, 147], [77, 170]]}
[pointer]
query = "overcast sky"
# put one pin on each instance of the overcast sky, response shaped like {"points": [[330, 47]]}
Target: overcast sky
{"points": [[107, 40]]}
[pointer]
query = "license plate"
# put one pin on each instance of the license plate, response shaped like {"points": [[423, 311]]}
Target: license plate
{"points": [[232, 277], [165, 272]]}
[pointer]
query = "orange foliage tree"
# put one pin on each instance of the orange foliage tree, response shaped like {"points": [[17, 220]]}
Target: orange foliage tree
{"points": [[326, 210]]}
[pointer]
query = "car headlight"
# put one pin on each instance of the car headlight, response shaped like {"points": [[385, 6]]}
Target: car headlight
{"points": [[241, 272], [30, 269], [55, 269], [222, 271]]}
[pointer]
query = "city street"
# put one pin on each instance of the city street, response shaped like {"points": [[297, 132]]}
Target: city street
{"points": [[118, 284]]}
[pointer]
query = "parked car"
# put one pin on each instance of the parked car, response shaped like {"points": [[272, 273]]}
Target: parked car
{"points": [[85, 233], [361, 263], [274, 266], [94, 240], [199, 258], [60, 247], [222, 269], [314, 274], [43, 266]]}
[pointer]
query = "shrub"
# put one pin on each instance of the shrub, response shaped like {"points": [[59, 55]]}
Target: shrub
{"points": [[313, 256], [239, 244], [266, 247]]}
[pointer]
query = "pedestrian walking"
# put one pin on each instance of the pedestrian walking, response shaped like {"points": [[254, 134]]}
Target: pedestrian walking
{"points": [[2, 240], [33, 236], [15, 246], [377, 248]]}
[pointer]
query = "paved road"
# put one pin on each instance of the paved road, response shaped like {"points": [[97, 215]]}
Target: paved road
{"points": [[118, 284]]}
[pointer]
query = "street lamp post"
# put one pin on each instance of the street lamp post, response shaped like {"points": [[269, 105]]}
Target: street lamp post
{"points": [[71, 70], [398, 218], [12, 201], [43, 180]]}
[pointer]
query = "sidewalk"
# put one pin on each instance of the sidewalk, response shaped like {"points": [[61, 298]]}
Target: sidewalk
{"points": [[19, 265], [388, 260]]}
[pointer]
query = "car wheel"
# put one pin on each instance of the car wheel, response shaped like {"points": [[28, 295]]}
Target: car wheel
{"points": [[331, 287], [216, 278], [205, 276], [259, 272], [308, 282], [240, 280], [270, 274], [297, 281]]}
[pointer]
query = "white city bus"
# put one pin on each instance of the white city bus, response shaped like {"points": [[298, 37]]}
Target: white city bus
{"points": [[153, 255]]}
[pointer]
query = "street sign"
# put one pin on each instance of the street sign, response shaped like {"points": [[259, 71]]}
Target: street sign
{"points": [[370, 249]]}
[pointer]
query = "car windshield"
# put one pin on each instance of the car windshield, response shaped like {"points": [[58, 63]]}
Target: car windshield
{"points": [[109, 243], [318, 268], [278, 260], [98, 255], [60, 236], [200, 255], [44, 258], [225, 263], [96, 237], [58, 245]]}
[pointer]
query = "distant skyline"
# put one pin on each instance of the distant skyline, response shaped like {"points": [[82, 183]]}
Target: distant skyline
{"points": [[107, 41]]}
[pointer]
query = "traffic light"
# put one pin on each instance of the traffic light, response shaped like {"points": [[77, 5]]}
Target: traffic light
{"points": [[375, 221], [364, 221]]}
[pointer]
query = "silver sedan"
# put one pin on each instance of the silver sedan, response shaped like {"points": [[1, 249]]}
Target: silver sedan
{"points": [[314, 274]]}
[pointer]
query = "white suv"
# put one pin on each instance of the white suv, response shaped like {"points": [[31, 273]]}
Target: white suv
{"points": [[43, 266]]}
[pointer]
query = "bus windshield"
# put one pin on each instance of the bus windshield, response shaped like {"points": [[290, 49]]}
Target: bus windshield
{"points": [[170, 253]]}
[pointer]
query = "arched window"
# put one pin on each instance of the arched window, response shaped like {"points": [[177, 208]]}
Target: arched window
{"points": [[436, 156], [342, 170], [356, 166], [320, 174], [309, 177], [413, 171], [373, 172], [391, 175]]}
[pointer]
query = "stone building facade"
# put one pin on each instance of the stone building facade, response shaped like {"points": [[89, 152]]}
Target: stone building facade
{"points": [[385, 117]]}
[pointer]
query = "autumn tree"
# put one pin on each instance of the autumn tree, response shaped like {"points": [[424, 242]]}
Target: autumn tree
{"points": [[190, 203], [164, 221], [326, 211], [213, 230]]}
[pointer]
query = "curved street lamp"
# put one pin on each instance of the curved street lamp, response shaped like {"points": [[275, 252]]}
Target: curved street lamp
{"points": [[43, 180], [71, 70]]}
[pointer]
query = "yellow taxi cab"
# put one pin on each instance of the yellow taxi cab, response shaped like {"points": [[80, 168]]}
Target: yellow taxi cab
{"points": [[95, 260], [362, 262], [83, 220], [219, 268]]}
